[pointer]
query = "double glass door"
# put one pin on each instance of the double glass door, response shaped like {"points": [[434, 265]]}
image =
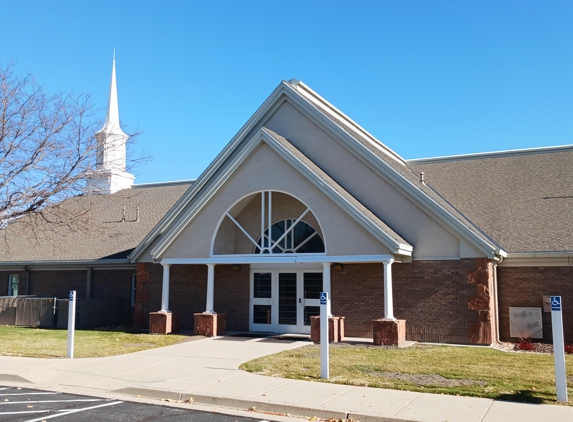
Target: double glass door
{"points": [[282, 301]]}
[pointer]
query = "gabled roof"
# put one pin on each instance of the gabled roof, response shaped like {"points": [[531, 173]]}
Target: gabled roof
{"points": [[393, 168], [396, 243], [102, 232], [312, 172], [373, 153], [523, 198]]}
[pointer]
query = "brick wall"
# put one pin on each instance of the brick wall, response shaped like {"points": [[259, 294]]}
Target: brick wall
{"points": [[4, 278], [432, 296], [188, 292], [58, 283], [526, 286], [114, 283]]}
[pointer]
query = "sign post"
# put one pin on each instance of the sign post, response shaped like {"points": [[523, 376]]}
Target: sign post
{"points": [[324, 358], [558, 348], [71, 322]]}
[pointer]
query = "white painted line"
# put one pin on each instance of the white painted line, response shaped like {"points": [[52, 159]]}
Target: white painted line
{"points": [[21, 413], [49, 401], [64, 413], [26, 394]]}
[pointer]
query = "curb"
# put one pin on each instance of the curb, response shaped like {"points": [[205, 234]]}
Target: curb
{"points": [[14, 378], [246, 404]]}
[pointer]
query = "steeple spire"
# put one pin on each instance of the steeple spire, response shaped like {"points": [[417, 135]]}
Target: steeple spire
{"points": [[110, 175], [112, 117]]}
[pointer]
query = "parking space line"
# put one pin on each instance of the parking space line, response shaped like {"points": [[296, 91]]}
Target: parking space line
{"points": [[49, 401], [68, 412], [25, 394], [22, 412]]}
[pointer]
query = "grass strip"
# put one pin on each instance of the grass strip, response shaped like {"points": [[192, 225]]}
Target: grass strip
{"points": [[464, 371], [52, 343]]}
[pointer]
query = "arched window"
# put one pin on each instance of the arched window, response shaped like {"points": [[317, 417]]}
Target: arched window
{"points": [[285, 238], [268, 222]]}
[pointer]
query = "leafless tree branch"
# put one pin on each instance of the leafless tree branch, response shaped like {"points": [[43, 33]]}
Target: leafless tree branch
{"points": [[47, 152]]}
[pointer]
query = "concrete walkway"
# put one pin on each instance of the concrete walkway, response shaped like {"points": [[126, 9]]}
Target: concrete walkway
{"points": [[206, 370]]}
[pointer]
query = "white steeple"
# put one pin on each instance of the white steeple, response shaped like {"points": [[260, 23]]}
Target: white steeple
{"points": [[112, 118], [110, 175]]}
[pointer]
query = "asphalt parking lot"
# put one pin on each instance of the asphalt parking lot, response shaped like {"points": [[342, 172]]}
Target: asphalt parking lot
{"points": [[28, 405]]}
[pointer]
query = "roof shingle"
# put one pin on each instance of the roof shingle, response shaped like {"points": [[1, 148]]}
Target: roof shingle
{"points": [[522, 199]]}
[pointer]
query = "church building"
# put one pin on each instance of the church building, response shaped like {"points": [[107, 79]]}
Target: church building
{"points": [[460, 249]]}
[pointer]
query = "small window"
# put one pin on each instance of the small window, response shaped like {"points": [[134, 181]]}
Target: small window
{"points": [[261, 314], [262, 285], [133, 289], [13, 280]]}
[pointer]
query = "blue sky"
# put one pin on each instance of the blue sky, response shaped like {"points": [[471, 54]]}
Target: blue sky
{"points": [[426, 78]]}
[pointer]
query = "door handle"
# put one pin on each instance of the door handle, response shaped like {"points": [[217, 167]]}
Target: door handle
{"points": [[299, 300]]}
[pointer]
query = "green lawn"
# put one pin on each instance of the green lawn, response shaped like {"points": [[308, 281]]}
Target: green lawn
{"points": [[49, 343], [467, 371]]}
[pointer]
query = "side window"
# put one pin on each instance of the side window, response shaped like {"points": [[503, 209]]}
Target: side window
{"points": [[13, 280], [132, 290]]}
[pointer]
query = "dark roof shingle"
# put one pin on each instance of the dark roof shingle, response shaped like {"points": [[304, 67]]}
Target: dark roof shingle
{"points": [[98, 231], [523, 200]]}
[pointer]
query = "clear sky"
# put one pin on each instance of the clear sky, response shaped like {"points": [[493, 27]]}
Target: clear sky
{"points": [[427, 78]]}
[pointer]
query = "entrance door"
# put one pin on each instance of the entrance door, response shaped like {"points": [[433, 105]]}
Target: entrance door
{"points": [[282, 301]]}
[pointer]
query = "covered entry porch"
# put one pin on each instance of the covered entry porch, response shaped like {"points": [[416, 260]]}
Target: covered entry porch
{"points": [[283, 290]]}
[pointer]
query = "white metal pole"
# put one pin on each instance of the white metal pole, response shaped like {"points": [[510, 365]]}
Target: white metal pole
{"points": [[210, 288], [559, 348], [165, 290], [270, 217], [388, 300], [71, 323], [324, 357], [326, 284], [262, 220]]}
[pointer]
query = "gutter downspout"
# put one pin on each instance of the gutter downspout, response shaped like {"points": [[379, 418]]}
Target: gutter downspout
{"points": [[494, 264], [89, 283], [27, 280]]}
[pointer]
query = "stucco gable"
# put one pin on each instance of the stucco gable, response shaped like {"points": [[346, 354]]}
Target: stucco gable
{"points": [[363, 147], [255, 168]]}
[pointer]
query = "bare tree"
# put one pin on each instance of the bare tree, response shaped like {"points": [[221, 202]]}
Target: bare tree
{"points": [[47, 150]]}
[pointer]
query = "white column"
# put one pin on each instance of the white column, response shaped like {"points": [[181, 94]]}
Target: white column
{"points": [[210, 288], [388, 301], [326, 284], [165, 290]]}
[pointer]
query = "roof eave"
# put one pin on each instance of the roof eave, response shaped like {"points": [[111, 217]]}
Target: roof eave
{"points": [[263, 136], [7, 265], [173, 214]]}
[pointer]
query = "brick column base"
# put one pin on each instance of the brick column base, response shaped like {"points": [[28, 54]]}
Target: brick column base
{"points": [[335, 329], [480, 333], [210, 325], [163, 322], [389, 332]]}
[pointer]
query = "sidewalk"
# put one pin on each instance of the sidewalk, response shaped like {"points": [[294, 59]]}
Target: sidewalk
{"points": [[206, 371]]}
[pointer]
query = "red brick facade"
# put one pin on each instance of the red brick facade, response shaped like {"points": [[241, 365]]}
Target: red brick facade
{"points": [[114, 283], [58, 283], [188, 292], [526, 286], [438, 299], [432, 296]]}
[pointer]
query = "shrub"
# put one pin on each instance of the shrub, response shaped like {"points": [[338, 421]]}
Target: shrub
{"points": [[569, 349], [525, 345]]}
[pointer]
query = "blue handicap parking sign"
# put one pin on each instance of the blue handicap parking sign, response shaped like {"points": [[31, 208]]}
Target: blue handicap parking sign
{"points": [[71, 295], [555, 303], [323, 298]]}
